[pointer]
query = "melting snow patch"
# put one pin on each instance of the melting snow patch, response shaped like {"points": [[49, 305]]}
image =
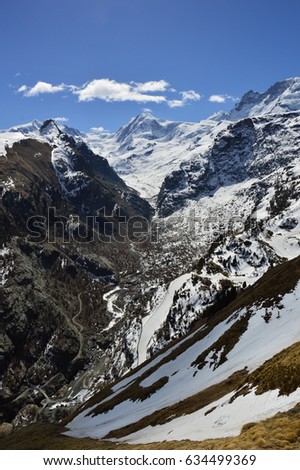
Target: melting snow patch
{"points": [[227, 419]]}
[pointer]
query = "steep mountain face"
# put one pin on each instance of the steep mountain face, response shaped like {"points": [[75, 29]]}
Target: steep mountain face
{"points": [[251, 148], [67, 172], [210, 271], [64, 239], [237, 205]]}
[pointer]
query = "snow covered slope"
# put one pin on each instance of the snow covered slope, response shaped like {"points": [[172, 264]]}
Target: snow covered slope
{"points": [[207, 376], [153, 322], [147, 149]]}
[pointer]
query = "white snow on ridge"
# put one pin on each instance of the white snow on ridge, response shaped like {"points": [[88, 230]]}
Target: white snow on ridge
{"points": [[32, 130], [8, 138], [281, 97], [71, 181]]}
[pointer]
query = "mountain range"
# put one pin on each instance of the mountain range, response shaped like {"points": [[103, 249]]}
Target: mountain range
{"points": [[150, 277]]}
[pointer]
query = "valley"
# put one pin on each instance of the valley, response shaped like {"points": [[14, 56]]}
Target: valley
{"points": [[148, 306]]}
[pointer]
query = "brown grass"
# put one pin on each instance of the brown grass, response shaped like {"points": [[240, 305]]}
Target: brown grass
{"points": [[279, 432], [280, 372]]}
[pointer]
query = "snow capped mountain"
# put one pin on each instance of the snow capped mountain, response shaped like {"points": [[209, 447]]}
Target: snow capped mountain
{"points": [[147, 126], [35, 130], [250, 148], [146, 150], [50, 129], [280, 98], [29, 128]]}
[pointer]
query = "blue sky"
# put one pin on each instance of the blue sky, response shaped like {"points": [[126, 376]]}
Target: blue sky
{"points": [[97, 63]]}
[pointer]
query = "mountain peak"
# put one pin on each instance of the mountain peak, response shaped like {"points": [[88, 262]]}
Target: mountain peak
{"points": [[49, 128], [281, 97], [144, 115], [28, 128], [143, 118], [144, 122]]}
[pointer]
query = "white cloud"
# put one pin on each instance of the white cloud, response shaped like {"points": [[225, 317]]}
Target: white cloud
{"points": [[221, 98], [22, 88], [97, 129], [61, 119], [41, 88], [190, 95], [176, 103], [147, 110], [110, 90], [217, 98], [186, 97], [153, 86]]}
